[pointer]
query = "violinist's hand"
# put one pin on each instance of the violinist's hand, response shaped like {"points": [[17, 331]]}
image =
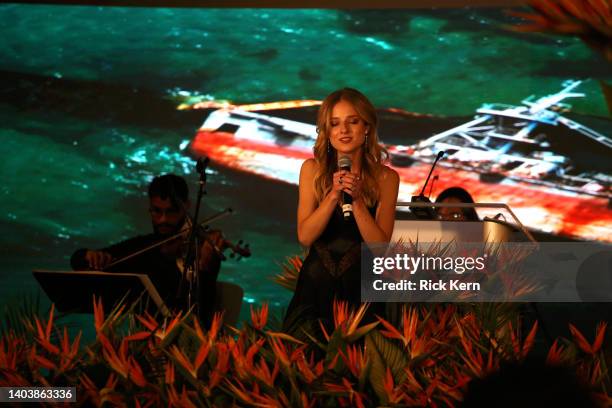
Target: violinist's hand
{"points": [[97, 260], [211, 252]]}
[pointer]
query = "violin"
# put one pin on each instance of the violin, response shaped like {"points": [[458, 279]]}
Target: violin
{"points": [[210, 253], [217, 241], [213, 245]]}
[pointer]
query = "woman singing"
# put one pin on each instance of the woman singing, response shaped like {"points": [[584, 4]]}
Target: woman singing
{"points": [[346, 126]]}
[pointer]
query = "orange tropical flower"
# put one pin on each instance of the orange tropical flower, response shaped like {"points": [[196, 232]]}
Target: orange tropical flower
{"points": [[181, 400], [591, 20], [347, 321], [394, 394], [582, 342], [157, 330], [44, 335], [217, 374], [355, 359], [169, 375], [260, 318]]}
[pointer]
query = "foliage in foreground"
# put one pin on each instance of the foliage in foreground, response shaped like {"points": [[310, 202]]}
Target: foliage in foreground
{"points": [[428, 359]]}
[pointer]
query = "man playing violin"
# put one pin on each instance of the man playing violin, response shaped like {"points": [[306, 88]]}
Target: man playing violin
{"points": [[169, 210]]}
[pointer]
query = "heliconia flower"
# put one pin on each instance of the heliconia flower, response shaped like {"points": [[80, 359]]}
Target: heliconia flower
{"points": [[347, 321], [240, 391], [555, 354], [243, 362], [182, 400], [391, 332], [591, 20], [142, 335], [408, 336], [253, 349], [410, 319], [215, 326], [284, 336], [453, 391], [344, 388], [599, 336], [201, 356], [135, 372], [521, 352], [160, 332], [280, 351], [183, 361], [394, 395], [10, 349], [169, 375], [304, 368], [327, 337], [443, 317], [473, 359], [355, 359], [90, 388], [305, 402], [149, 321], [221, 367], [98, 312], [262, 372], [596, 373], [69, 351], [13, 379], [332, 364], [259, 319], [267, 401], [99, 320], [44, 335], [107, 394], [42, 361], [583, 344], [111, 356], [529, 340]]}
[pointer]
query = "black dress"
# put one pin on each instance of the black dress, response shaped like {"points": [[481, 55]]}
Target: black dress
{"points": [[331, 270]]}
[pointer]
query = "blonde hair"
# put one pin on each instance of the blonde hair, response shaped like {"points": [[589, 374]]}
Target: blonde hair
{"points": [[326, 156]]}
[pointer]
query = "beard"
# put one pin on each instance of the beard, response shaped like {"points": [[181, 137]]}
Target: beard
{"points": [[166, 230]]}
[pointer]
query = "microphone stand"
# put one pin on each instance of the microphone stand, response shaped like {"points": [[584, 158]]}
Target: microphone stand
{"points": [[425, 212], [191, 257]]}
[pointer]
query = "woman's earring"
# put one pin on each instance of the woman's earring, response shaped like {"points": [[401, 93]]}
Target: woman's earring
{"points": [[328, 148], [366, 138]]}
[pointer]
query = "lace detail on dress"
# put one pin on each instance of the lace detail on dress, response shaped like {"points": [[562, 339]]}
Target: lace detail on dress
{"points": [[337, 269]]}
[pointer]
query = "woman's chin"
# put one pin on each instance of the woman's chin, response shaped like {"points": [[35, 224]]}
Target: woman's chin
{"points": [[347, 150]]}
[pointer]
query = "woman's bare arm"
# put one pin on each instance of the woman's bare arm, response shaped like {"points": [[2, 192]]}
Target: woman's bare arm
{"points": [[380, 227], [312, 217]]}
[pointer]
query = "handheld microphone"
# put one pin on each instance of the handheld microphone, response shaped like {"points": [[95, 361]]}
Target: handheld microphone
{"points": [[344, 163], [425, 212]]}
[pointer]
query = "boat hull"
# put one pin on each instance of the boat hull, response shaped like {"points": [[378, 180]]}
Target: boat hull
{"points": [[541, 208]]}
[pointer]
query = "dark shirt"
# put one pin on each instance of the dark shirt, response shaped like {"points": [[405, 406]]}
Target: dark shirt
{"points": [[161, 269]]}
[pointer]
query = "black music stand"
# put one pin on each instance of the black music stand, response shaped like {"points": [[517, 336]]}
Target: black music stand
{"points": [[73, 291]]}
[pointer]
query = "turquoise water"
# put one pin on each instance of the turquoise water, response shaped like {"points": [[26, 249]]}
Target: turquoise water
{"points": [[88, 95]]}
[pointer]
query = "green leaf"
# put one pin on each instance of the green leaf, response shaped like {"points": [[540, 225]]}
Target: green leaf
{"points": [[384, 353]]}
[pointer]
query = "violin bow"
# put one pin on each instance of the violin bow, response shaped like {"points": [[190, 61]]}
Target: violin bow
{"points": [[213, 218]]}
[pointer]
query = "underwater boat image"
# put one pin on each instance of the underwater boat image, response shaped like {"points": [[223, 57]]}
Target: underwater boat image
{"points": [[553, 171]]}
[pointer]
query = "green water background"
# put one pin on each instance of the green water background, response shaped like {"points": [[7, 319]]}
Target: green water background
{"points": [[88, 94]]}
